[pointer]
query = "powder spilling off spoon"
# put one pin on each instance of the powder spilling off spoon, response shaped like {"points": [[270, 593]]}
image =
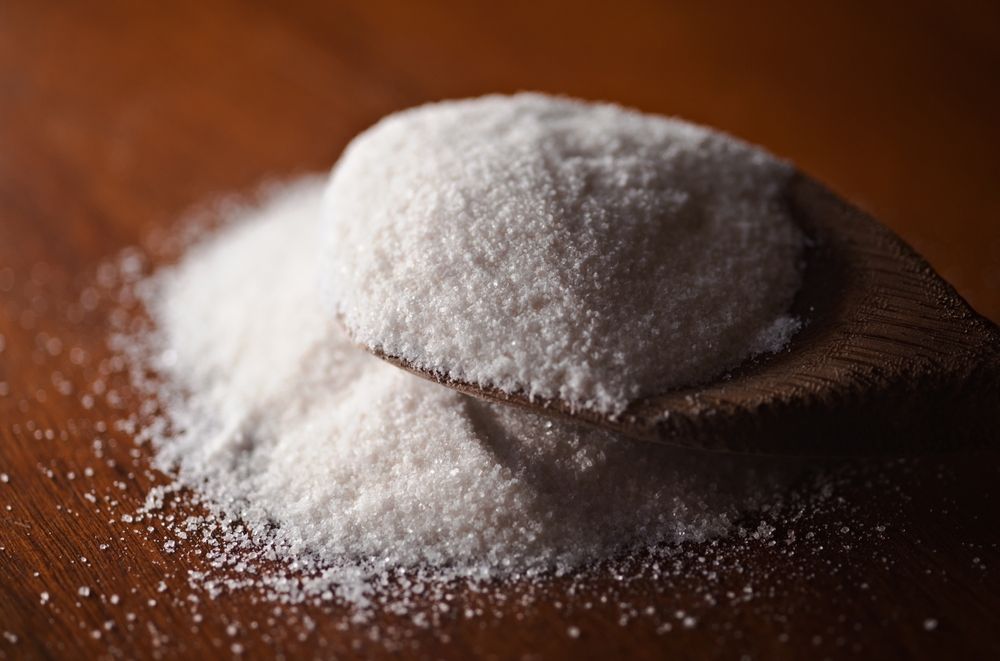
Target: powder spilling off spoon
{"points": [[604, 240], [281, 419]]}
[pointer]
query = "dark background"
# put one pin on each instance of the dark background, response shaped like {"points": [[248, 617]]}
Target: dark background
{"points": [[117, 117], [134, 111]]}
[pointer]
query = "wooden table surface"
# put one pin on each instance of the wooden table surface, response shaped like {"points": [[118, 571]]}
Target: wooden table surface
{"points": [[116, 118]]}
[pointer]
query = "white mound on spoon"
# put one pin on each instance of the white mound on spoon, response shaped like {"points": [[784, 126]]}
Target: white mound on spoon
{"points": [[560, 249]]}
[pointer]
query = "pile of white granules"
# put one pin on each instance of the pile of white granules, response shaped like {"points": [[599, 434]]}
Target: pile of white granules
{"points": [[523, 242], [561, 249]]}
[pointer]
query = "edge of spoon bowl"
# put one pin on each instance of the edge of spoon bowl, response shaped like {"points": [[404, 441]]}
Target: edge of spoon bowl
{"points": [[891, 358]]}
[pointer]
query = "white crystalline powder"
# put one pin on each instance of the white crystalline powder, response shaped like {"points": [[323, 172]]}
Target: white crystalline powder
{"points": [[560, 248], [334, 458]]}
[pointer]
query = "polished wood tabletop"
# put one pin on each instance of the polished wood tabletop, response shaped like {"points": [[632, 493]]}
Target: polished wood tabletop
{"points": [[119, 118]]}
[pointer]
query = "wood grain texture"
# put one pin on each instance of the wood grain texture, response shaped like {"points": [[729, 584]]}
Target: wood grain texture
{"points": [[116, 118]]}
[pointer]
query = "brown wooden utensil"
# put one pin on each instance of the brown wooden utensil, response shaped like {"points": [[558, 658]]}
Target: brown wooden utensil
{"points": [[891, 359]]}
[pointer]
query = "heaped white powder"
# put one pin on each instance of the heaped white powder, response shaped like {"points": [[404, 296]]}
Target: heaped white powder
{"points": [[560, 248], [332, 458]]}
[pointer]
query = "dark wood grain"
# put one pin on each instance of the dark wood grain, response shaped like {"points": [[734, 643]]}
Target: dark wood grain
{"points": [[891, 358], [116, 118]]}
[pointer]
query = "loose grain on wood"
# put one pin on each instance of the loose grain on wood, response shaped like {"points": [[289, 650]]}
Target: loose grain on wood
{"points": [[116, 119]]}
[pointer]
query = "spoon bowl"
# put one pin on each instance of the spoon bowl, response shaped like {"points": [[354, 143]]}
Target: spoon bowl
{"points": [[891, 358]]}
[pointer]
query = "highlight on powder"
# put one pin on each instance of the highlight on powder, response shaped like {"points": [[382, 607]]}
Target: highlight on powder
{"points": [[559, 248]]}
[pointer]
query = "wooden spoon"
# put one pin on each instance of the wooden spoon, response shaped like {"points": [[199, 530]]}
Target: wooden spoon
{"points": [[891, 358]]}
